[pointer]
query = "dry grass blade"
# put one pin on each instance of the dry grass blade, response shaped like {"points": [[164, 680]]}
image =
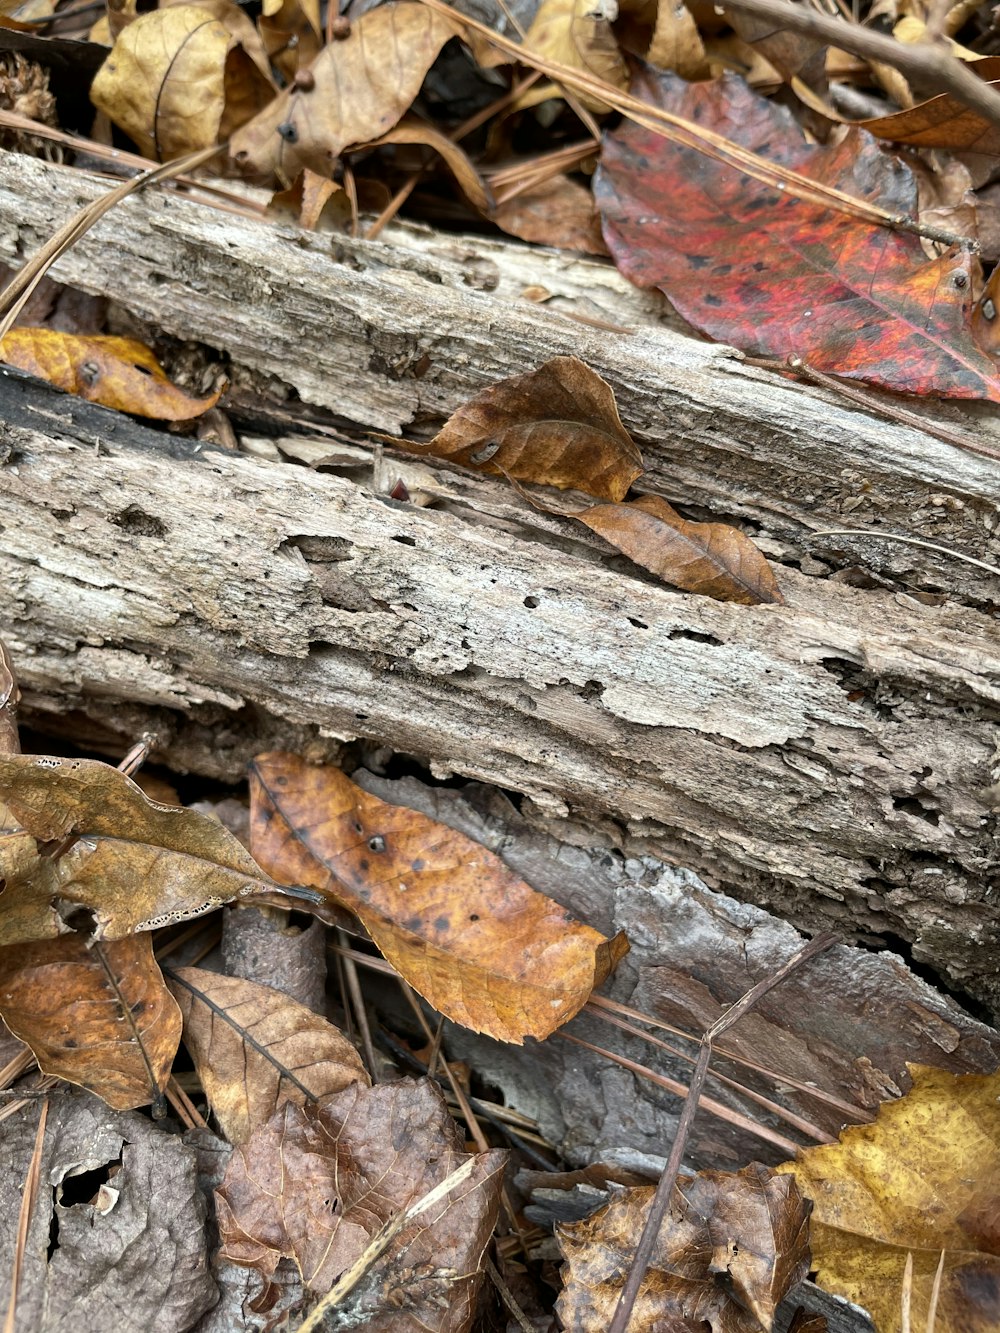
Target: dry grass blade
{"points": [[380, 1242], [28, 1197], [702, 140], [16, 294]]}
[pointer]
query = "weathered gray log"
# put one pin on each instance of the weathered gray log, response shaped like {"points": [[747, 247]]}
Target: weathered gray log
{"points": [[831, 757], [393, 335], [835, 759]]}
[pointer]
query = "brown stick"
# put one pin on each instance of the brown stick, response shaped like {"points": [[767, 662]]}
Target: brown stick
{"points": [[665, 1187], [932, 63]]}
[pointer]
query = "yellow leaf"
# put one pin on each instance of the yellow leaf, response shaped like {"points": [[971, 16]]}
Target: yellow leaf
{"points": [[576, 33], [183, 78], [115, 372], [924, 1178]]}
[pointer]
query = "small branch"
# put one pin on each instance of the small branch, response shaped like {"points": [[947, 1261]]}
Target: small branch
{"points": [[665, 1187], [933, 64]]}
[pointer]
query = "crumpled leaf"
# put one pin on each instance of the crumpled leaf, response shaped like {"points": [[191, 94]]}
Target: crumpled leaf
{"points": [[466, 932], [121, 1215], [773, 275], [255, 1048], [315, 1183], [924, 1177], [115, 1035], [730, 1249], [557, 426], [557, 212], [413, 130], [135, 864], [184, 77], [576, 33], [117, 372], [944, 121], [354, 91], [712, 559]]}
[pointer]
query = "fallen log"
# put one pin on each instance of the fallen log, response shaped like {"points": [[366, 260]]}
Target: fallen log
{"points": [[833, 759]]}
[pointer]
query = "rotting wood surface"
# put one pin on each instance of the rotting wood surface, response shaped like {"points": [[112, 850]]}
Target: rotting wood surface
{"points": [[835, 760], [830, 758]]}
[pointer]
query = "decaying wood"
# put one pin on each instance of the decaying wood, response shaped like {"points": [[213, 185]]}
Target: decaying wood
{"points": [[835, 758]]}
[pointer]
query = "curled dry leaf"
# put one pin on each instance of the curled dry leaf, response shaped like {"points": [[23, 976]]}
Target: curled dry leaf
{"points": [[776, 275], [576, 33], [676, 43], [135, 864], [355, 91], [943, 121], [713, 559], [316, 1183], [116, 372], [557, 212], [110, 1026], [557, 426], [924, 1178], [183, 78], [413, 130], [730, 1249], [255, 1048], [466, 932]]}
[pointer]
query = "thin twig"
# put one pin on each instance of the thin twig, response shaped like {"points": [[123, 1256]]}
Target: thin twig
{"points": [[871, 404], [935, 1294], [664, 1189], [28, 1197], [381, 1241], [910, 541], [358, 1005], [820, 1094], [507, 1296], [931, 63]]}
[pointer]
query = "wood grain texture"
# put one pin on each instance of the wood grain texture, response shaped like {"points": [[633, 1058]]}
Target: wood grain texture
{"points": [[831, 757]]}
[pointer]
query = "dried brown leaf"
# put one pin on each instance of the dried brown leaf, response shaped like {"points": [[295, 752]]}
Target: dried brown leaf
{"points": [[135, 864], [557, 426], [676, 43], [465, 931], [712, 559], [558, 212], [112, 1029], [576, 33], [316, 1183], [255, 1048], [357, 89], [185, 77], [117, 372], [415, 131], [730, 1249]]}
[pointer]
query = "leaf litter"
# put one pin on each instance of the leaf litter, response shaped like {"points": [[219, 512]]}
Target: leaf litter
{"points": [[264, 1064]]}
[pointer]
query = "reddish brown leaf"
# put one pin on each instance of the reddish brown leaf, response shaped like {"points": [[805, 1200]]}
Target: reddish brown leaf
{"points": [[750, 265], [713, 559], [116, 372], [557, 426], [731, 1248], [465, 931], [255, 1048], [135, 864], [112, 1029], [315, 1183]]}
